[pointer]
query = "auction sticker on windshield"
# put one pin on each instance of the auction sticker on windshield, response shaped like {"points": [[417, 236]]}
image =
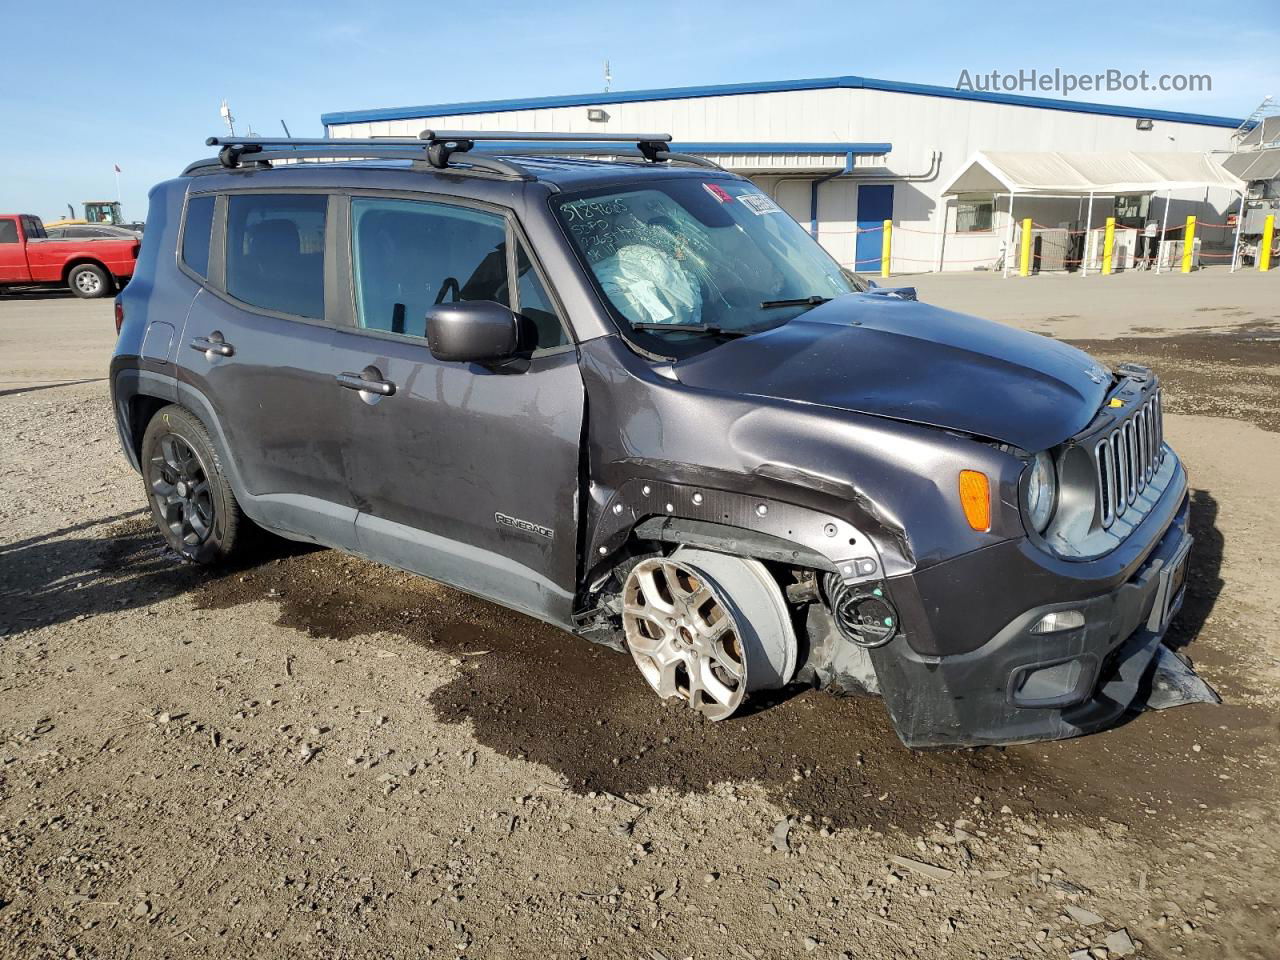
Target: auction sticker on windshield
{"points": [[759, 204]]}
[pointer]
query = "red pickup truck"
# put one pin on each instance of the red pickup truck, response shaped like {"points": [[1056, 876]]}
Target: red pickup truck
{"points": [[91, 267]]}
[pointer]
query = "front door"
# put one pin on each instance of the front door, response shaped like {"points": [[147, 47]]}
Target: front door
{"points": [[261, 354], [466, 474], [13, 253], [875, 206]]}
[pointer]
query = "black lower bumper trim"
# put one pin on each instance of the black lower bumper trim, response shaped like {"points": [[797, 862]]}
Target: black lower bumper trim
{"points": [[1021, 686]]}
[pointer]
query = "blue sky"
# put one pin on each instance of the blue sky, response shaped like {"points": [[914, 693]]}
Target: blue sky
{"points": [[139, 84]]}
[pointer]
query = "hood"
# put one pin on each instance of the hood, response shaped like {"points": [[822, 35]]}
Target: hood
{"points": [[914, 362]]}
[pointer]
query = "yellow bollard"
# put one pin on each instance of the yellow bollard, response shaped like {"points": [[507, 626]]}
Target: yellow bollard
{"points": [[1188, 244], [1024, 262], [1108, 245], [886, 247], [1268, 234]]}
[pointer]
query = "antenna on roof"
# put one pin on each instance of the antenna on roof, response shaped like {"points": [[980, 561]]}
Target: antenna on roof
{"points": [[225, 112], [608, 76]]}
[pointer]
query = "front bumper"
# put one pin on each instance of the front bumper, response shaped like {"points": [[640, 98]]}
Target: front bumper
{"points": [[1019, 686]]}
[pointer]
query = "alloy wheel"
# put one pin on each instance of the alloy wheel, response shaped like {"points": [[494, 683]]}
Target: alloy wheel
{"points": [[181, 492], [683, 637]]}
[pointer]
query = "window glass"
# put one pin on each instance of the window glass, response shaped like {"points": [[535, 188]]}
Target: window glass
{"points": [[8, 231], [973, 215], [275, 251], [691, 259], [536, 306], [195, 235], [33, 228], [409, 255]]}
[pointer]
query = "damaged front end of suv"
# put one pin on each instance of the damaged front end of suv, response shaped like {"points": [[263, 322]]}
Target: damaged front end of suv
{"points": [[981, 525]]}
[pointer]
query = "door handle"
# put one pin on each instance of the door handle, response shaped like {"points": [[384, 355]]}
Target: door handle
{"points": [[213, 343], [367, 381]]}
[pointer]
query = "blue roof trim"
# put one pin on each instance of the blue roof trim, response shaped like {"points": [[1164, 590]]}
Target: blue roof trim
{"points": [[726, 148], [774, 86], [860, 149]]}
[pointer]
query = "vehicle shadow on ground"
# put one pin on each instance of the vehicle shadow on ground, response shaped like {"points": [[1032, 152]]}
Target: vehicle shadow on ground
{"points": [[60, 577], [1204, 576], [41, 293], [49, 386]]}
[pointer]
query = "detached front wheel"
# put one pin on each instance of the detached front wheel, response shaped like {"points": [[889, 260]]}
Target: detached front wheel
{"points": [[190, 499], [708, 628]]}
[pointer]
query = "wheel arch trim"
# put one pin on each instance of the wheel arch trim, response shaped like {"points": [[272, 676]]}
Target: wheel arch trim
{"points": [[738, 523]]}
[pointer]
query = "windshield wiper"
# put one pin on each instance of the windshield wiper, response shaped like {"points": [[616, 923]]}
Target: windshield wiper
{"points": [[692, 328], [814, 301]]}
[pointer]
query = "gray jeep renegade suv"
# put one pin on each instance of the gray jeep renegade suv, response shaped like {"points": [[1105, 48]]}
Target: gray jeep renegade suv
{"points": [[620, 390]]}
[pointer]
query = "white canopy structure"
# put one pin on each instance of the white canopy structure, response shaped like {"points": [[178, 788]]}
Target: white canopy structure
{"points": [[1060, 175], [1081, 174]]}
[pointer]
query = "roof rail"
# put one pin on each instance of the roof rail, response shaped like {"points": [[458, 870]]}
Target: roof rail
{"points": [[436, 147]]}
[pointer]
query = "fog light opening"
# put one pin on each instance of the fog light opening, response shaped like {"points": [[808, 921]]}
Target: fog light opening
{"points": [[1059, 621]]}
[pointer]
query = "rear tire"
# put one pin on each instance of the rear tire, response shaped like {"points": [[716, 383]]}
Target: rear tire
{"points": [[191, 501], [89, 281]]}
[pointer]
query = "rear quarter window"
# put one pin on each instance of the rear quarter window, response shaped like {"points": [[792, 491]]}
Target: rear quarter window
{"points": [[275, 252], [195, 234]]}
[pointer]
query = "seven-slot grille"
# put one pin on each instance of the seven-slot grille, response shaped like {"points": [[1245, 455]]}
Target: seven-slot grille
{"points": [[1127, 457]]}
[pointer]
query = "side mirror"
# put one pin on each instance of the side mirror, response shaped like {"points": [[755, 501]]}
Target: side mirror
{"points": [[871, 284], [473, 331]]}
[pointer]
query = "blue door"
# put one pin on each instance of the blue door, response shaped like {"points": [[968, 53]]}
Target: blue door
{"points": [[875, 206]]}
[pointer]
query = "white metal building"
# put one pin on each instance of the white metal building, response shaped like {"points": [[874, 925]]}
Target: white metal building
{"points": [[845, 153]]}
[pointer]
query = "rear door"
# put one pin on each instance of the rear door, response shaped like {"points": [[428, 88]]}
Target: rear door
{"points": [[258, 345], [466, 474], [13, 253]]}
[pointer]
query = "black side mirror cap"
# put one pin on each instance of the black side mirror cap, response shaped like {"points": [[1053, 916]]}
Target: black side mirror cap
{"points": [[473, 331]]}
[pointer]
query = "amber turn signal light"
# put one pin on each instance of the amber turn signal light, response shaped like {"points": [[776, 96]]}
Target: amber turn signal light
{"points": [[975, 497]]}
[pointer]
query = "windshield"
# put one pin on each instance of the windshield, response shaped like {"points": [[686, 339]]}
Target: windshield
{"points": [[682, 259]]}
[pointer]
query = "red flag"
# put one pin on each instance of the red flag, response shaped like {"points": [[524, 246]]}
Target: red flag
{"points": [[117, 166]]}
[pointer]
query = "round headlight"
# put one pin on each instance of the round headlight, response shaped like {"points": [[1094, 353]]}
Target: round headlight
{"points": [[1042, 492]]}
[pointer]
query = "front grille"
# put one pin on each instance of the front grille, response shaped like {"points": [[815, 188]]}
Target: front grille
{"points": [[1127, 457]]}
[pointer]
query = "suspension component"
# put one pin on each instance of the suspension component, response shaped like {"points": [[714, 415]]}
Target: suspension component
{"points": [[863, 612]]}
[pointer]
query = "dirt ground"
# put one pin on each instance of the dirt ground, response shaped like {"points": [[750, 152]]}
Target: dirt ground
{"points": [[313, 755]]}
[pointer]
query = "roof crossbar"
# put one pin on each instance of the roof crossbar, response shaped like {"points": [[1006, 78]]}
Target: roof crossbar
{"points": [[445, 143], [263, 150], [436, 147]]}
